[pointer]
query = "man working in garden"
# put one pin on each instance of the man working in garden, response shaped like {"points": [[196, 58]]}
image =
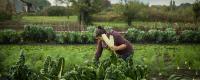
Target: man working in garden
{"points": [[112, 41]]}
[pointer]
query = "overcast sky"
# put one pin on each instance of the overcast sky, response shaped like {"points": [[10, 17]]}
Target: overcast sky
{"points": [[152, 2]]}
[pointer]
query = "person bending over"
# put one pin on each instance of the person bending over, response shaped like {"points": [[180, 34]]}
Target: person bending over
{"points": [[122, 47]]}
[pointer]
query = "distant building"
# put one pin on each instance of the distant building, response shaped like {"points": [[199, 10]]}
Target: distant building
{"points": [[23, 6]]}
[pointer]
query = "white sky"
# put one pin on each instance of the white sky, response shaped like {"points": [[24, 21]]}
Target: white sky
{"points": [[151, 2]]}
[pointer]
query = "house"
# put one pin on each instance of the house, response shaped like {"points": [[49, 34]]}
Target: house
{"points": [[23, 6]]}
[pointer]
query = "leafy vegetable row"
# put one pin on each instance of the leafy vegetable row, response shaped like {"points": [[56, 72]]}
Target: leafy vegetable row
{"points": [[46, 34]]}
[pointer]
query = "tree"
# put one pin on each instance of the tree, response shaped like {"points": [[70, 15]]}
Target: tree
{"points": [[106, 4], [196, 10], [68, 8], [172, 5], [85, 9], [6, 10], [131, 10]]}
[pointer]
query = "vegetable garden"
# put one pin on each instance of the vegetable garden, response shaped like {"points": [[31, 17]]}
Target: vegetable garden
{"points": [[157, 61], [56, 40], [145, 63]]}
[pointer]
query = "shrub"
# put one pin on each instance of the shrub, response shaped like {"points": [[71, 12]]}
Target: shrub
{"points": [[141, 36], [169, 35], [71, 37], [189, 36], [5, 16], [55, 11], [60, 38], [91, 28], [78, 37], [132, 34], [154, 36], [38, 33], [87, 37], [135, 35], [9, 36]]}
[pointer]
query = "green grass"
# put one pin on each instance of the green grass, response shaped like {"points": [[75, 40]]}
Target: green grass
{"points": [[48, 19], [111, 24], [138, 24], [149, 54], [62, 20]]}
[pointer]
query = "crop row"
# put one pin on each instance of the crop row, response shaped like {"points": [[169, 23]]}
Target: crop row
{"points": [[112, 68], [46, 34]]}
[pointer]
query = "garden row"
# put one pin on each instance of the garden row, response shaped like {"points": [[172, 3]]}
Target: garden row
{"points": [[169, 35], [112, 68], [46, 34]]}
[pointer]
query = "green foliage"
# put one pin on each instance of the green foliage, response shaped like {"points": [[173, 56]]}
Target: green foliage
{"points": [[135, 35], [157, 36], [189, 36], [154, 36], [85, 8], [38, 33], [53, 69], [131, 10], [45, 33], [6, 10], [20, 71], [9, 36], [5, 16], [72, 37], [81, 73], [113, 73], [2, 58], [112, 68], [107, 16], [75, 38], [146, 53], [169, 35], [60, 38], [136, 11], [196, 9], [55, 11], [91, 28], [177, 77]]}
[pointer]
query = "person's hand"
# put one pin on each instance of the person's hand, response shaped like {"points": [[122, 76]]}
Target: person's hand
{"points": [[114, 48]]}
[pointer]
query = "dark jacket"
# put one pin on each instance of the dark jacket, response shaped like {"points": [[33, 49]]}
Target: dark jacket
{"points": [[118, 40]]}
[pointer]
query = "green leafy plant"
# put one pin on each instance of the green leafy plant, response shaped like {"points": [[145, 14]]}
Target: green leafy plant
{"points": [[38, 33], [189, 36], [91, 28], [9, 36], [132, 34], [53, 69], [177, 77], [154, 36], [60, 38], [20, 71], [81, 73], [169, 35]]}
